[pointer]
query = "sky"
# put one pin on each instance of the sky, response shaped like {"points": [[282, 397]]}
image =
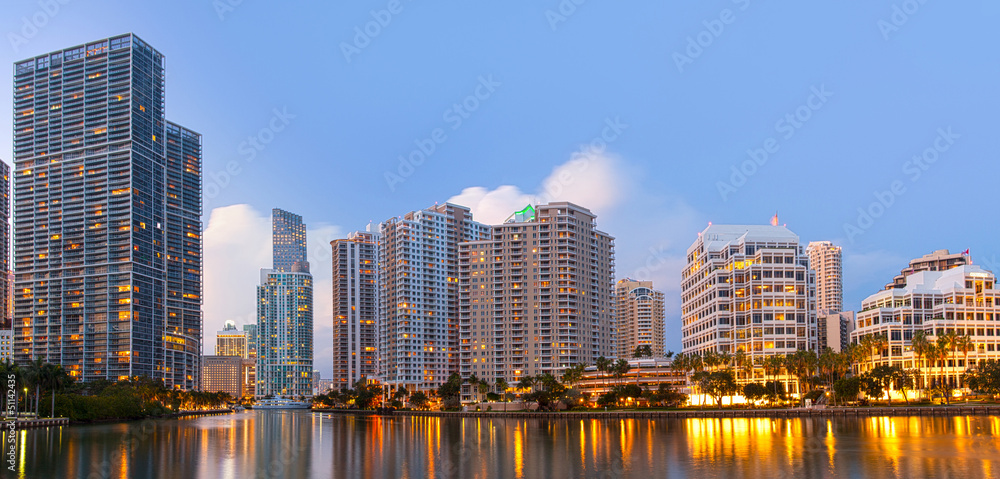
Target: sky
{"points": [[869, 124]]}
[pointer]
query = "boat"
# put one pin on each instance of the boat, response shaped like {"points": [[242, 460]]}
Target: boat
{"points": [[238, 408], [281, 404]]}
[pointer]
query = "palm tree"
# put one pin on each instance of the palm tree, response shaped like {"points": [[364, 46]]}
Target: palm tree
{"points": [[473, 382], [620, 369], [501, 385], [603, 364], [773, 365], [725, 359], [921, 346], [741, 361], [945, 344], [964, 344], [56, 378], [35, 376]]}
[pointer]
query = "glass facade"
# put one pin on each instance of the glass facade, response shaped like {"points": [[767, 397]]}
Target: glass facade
{"points": [[107, 262]]}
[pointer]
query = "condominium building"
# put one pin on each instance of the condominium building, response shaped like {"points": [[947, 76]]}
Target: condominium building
{"points": [[7, 281], [940, 260], [285, 315], [833, 330], [6, 345], [223, 373], [750, 288], [418, 294], [250, 331], [231, 341], [638, 318], [288, 238], [107, 246], [963, 300], [536, 296], [826, 259], [355, 308]]}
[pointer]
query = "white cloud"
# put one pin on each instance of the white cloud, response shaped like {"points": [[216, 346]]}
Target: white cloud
{"points": [[591, 178], [237, 247]]}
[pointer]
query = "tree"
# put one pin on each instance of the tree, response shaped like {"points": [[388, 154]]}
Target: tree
{"points": [[921, 346], [643, 351], [744, 363], [603, 364], [419, 400], [36, 376], [772, 367], [55, 380], [847, 388], [754, 392], [666, 396], [984, 377], [450, 392], [500, 384], [878, 381], [944, 346], [572, 375], [718, 384], [473, 382], [903, 379], [620, 369], [964, 344]]}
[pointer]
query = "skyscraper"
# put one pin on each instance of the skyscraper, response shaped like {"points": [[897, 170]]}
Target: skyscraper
{"points": [[7, 294], [106, 217], [827, 260], [285, 314], [288, 238], [418, 297], [750, 288], [231, 341], [638, 318], [535, 296], [355, 309]]}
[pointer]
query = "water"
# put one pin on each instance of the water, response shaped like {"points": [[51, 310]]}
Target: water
{"points": [[301, 444]]}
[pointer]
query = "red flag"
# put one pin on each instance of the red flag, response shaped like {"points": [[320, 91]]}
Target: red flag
{"points": [[774, 220], [965, 253]]}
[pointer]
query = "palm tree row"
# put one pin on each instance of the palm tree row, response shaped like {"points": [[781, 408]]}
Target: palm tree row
{"points": [[37, 376]]}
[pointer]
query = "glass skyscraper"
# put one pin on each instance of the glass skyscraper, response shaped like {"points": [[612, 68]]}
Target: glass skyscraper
{"points": [[285, 313], [107, 208]]}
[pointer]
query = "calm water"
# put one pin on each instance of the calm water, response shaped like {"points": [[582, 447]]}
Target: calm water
{"points": [[267, 444]]}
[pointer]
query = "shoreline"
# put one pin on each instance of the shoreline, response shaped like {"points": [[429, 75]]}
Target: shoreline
{"points": [[928, 411], [62, 421]]}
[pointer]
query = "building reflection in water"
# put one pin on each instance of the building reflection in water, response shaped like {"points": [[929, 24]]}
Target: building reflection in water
{"points": [[272, 444]]}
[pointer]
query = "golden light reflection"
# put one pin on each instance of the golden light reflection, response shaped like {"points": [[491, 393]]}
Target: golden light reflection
{"points": [[518, 452]]}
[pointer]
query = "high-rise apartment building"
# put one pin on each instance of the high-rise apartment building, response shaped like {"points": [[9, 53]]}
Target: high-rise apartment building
{"points": [[355, 308], [223, 373], [827, 260], [833, 330], [962, 300], [535, 295], [285, 314], [250, 331], [638, 318], [288, 237], [231, 341], [750, 288], [107, 207], [418, 294], [7, 293], [940, 260]]}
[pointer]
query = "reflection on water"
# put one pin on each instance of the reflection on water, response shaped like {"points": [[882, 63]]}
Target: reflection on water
{"points": [[300, 444]]}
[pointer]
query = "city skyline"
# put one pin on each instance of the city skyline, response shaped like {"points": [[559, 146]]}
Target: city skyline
{"points": [[636, 165]]}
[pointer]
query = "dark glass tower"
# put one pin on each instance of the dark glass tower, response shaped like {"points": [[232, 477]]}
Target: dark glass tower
{"points": [[107, 250], [288, 236]]}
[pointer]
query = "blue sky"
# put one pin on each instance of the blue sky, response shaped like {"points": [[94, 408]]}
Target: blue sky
{"points": [[690, 89]]}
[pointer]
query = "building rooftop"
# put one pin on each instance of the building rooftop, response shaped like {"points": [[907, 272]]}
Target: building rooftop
{"points": [[934, 281], [717, 237]]}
